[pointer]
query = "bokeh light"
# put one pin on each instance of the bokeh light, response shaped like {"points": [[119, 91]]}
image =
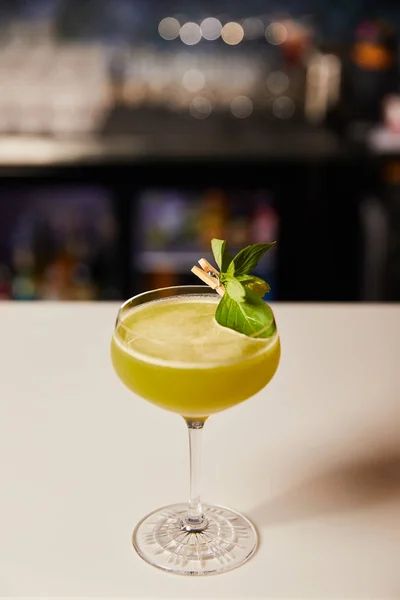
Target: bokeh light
{"points": [[283, 107], [169, 28], [253, 28], [200, 107], [241, 107], [278, 82], [190, 34], [232, 33], [211, 29], [193, 80], [276, 34]]}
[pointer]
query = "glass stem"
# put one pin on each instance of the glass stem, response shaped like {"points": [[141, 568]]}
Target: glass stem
{"points": [[195, 519]]}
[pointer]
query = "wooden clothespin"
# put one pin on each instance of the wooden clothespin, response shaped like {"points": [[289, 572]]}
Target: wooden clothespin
{"points": [[209, 275]]}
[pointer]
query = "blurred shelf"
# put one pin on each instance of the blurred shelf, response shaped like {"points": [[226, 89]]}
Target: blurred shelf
{"points": [[19, 152]]}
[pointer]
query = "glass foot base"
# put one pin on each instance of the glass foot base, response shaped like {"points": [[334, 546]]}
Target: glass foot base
{"points": [[227, 541]]}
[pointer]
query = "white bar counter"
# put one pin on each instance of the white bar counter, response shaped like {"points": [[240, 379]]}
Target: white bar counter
{"points": [[313, 460]]}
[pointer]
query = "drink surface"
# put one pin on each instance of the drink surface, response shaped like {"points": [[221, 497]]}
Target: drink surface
{"points": [[173, 353]]}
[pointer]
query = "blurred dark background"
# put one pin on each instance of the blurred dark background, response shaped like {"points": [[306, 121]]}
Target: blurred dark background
{"points": [[133, 131]]}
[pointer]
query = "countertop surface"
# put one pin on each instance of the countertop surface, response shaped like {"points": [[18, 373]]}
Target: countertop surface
{"points": [[313, 460]]}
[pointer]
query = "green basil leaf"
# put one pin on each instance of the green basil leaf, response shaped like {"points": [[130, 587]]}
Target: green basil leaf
{"points": [[226, 261], [256, 284], [218, 248], [247, 259], [231, 269], [235, 290], [223, 258], [252, 317], [245, 278]]}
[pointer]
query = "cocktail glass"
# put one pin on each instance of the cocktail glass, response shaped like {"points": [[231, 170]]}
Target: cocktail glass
{"points": [[168, 349]]}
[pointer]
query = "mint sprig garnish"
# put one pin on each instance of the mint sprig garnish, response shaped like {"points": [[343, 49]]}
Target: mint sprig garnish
{"points": [[241, 307]]}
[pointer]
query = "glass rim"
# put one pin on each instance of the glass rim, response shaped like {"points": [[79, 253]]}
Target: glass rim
{"points": [[165, 289], [191, 288], [202, 289]]}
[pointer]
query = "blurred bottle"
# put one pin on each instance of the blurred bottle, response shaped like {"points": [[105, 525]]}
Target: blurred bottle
{"points": [[24, 284], [371, 72], [172, 222], [239, 231], [391, 113], [82, 284], [323, 87], [264, 229], [5, 283], [213, 217], [298, 39], [50, 285], [56, 282], [118, 69], [264, 222]]}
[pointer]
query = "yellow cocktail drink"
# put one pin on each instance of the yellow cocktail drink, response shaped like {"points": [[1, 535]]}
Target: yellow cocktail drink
{"points": [[173, 353]]}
